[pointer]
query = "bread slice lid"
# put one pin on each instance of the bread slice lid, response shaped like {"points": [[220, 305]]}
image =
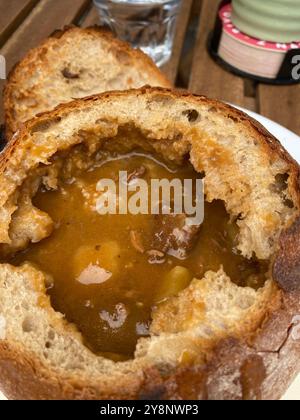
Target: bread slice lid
{"points": [[74, 63], [240, 342]]}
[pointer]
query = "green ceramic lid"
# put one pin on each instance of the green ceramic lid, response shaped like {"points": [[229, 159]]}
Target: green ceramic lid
{"points": [[270, 20]]}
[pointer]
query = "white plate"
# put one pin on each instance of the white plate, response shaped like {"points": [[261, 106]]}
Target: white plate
{"points": [[291, 142]]}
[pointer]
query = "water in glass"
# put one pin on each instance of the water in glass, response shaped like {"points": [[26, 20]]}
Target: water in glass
{"points": [[146, 24]]}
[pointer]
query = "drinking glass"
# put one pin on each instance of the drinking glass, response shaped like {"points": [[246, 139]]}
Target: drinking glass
{"points": [[146, 24]]}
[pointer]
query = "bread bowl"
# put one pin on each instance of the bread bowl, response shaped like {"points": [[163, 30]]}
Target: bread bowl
{"points": [[73, 63], [214, 339]]}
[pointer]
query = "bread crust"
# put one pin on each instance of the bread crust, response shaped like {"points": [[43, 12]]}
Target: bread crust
{"points": [[27, 66], [260, 365], [234, 371]]}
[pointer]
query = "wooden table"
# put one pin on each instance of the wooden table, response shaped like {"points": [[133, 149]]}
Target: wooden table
{"points": [[24, 23]]}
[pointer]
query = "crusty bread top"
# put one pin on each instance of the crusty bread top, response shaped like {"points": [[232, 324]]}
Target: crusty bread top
{"points": [[74, 63], [243, 165]]}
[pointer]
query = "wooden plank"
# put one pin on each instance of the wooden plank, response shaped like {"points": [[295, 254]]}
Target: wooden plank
{"points": [[47, 16], [12, 13], [207, 77], [92, 18], [44, 19], [171, 68], [250, 95], [187, 53], [281, 104]]}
